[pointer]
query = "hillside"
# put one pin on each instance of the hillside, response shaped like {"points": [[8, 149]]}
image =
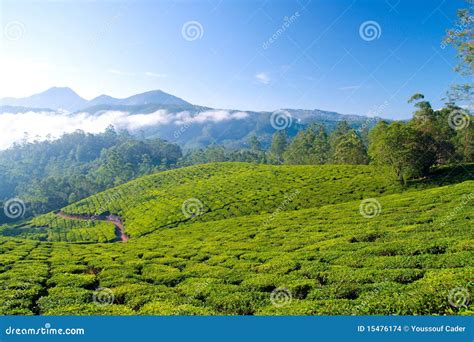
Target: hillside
{"points": [[214, 192], [320, 250]]}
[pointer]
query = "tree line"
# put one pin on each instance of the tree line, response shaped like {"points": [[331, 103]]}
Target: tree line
{"points": [[410, 149]]}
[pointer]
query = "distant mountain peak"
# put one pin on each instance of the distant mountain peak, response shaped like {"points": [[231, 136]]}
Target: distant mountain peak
{"points": [[54, 98], [156, 97], [67, 99]]}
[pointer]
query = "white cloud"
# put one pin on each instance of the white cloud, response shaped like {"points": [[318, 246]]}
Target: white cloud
{"points": [[120, 72], [352, 87], [152, 74], [127, 73], [262, 78], [38, 125]]}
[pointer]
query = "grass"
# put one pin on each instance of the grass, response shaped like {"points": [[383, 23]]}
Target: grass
{"points": [[312, 250]]}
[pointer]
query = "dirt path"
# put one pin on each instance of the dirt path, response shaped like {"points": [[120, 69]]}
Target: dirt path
{"points": [[119, 227]]}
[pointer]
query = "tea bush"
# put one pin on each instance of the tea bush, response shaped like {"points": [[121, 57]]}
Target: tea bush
{"points": [[318, 249]]}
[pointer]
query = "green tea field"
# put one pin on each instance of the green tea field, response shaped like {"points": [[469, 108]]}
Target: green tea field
{"points": [[245, 239]]}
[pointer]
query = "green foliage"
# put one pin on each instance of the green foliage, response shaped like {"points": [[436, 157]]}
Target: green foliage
{"points": [[156, 201], [51, 174], [402, 148], [329, 258], [461, 38]]}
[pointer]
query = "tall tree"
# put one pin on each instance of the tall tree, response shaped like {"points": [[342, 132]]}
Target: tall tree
{"points": [[350, 149], [321, 148], [278, 147], [399, 146], [461, 37]]}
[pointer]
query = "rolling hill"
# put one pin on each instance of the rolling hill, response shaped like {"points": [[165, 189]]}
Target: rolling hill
{"points": [[241, 239]]}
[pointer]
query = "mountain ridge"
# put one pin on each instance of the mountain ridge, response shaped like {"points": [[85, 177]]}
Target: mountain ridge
{"points": [[191, 126], [64, 98]]}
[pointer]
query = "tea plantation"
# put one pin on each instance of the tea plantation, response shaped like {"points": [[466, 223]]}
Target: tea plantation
{"points": [[241, 239]]}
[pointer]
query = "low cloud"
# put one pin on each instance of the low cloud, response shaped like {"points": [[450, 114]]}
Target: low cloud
{"points": [[154, 74], [127, 73], [351, 87], [262, 78], [42, 125]]}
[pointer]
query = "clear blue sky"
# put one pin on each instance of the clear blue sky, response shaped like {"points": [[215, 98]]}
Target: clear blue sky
{"points": [[319, 61]]}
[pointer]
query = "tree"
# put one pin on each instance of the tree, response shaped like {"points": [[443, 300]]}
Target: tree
{"points": [[297, 151], [399, 146], [321, 148], [278, 147], [433, 127], [254, 143], [350, 149], [462, 39]]}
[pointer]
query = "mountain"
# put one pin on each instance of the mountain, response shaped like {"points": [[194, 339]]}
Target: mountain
{"points": [[58, 98], [190, 126], [156, 97], [103, 100], [53, 98]]}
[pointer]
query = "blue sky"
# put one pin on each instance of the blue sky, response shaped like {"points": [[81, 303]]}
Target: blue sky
{"points": [[319, 60]]}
